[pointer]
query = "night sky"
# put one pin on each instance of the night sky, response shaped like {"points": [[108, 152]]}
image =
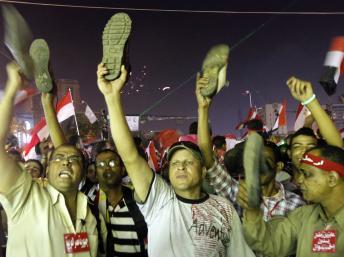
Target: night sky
{"points": [[169, 47]]}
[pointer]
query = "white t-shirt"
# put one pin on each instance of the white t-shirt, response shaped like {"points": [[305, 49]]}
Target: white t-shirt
{"points": [[208, 227]]}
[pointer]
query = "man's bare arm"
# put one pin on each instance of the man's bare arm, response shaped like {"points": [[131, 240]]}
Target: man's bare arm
{"points": [[9, 169], [56, 133], [203, 133], [303, 91], [137, 167]]}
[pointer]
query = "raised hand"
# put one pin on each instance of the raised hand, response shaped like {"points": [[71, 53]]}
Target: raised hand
{"points": [[202, 82], [110, 88], [299, 89], [14, 81]]}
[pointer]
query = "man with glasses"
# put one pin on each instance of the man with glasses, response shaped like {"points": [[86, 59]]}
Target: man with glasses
{"points": [[181, 219], [127, 229], [44, 219]]}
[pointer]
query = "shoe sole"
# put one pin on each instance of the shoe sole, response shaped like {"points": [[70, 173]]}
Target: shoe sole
{"points": [[252, 162], [40, 55], [18, 38], [115, 36], [213, 63]]}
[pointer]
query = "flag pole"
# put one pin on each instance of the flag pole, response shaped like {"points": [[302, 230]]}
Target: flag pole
{"points": [[76, 121]]}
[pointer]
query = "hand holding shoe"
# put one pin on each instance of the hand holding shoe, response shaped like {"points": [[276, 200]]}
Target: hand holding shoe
{"points": [[110, 88], [14, 81], [202, 82]]}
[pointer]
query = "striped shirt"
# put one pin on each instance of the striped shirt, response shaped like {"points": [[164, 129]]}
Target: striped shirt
{"points": [[124, 232]]}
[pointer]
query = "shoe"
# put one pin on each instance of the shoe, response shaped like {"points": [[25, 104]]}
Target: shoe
{"points": [[252, 163], [115, 37], [215, 68], [40, 54], [18, 38]]}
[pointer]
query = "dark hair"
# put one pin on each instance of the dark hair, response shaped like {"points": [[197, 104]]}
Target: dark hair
{"points": [[304, 131], [193, 128], [15, 153], [275, 149], [39, 164], [113, 152], [330, 152], [254, 124], [218, 141], [83, 158], [233, 160]]}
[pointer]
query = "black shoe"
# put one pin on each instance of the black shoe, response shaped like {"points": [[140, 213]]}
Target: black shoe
{"points": [[18, 38], [115, 37], [215, 68], [40, 54]]}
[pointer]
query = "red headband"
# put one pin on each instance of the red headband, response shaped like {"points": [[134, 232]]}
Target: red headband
{"points": [[322, 163]]}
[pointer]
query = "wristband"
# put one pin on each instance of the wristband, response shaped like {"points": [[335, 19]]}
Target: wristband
{"points": [[308, 100]]}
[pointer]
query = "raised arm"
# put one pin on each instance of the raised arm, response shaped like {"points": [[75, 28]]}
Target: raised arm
{"points": [[9, 169], [203, 133], [56, 133], [137, 167], [302, 91]]}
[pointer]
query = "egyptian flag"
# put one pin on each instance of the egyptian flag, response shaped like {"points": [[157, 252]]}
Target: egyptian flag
{"points": [[152, 154], [252, 114], [282, 116], [334, 66], [64, 110], [301, 113]]}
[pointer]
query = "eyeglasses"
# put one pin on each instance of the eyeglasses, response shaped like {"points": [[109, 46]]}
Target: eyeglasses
{"points": [[110, 163], [70, 159]]}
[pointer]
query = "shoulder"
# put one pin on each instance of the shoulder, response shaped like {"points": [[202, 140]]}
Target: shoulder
{"points": [[303, 212], [220, 203]]}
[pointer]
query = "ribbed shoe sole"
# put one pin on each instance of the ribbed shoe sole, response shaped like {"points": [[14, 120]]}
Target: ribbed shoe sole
{"points": [[40, 55], [252, 152], [115, 36], [213, 63]]}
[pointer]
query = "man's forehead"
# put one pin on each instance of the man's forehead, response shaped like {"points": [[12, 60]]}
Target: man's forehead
{"points": [[304, 139], [106, 155], [182, 154], [63, 150]]}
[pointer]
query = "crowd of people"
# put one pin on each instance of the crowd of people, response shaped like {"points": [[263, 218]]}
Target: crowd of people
{"points": [[205, 200]]}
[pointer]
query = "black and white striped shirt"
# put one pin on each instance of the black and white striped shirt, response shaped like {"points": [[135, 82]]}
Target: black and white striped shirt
{"points": [[124, 232]]}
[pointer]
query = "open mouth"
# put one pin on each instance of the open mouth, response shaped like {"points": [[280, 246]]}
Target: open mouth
{"points": [[65, 174], [108, 175]]}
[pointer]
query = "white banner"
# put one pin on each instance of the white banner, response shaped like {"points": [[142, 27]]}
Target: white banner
{"points": [[133, 122]]}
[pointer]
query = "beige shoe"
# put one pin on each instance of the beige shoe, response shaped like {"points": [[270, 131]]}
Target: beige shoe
{"points": [[18, 38], [252, 163], [115, 44], [215, 68]]}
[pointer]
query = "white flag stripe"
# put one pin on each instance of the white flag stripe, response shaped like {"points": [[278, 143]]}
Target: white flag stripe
{"points": [[43, 133], [65, 112], [300, 120], [334, 58]]}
